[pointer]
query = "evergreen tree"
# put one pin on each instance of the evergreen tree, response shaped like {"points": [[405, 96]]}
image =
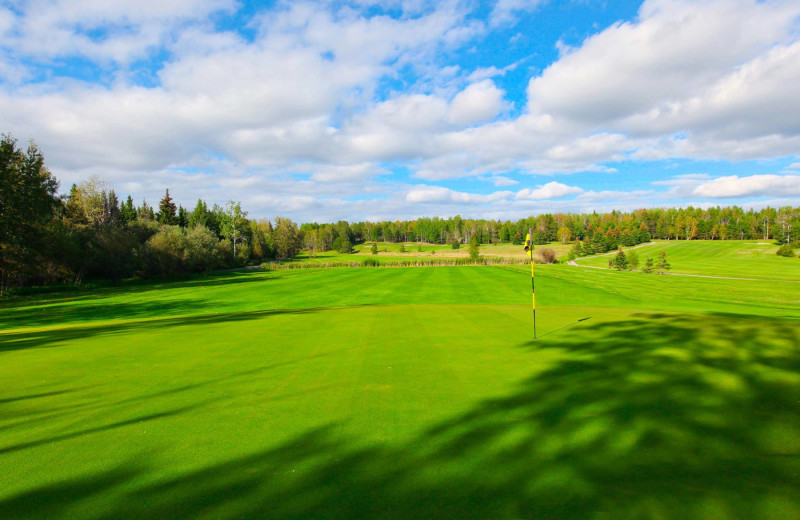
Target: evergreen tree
{"points": [[113, 211], [167, 211], [648, 266], [374, 249], [128, 211], [28, 203], [183, 217], [662, 264], [620, 260]]}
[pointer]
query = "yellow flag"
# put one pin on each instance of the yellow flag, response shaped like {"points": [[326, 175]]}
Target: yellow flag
{"points": [[528, 245]]}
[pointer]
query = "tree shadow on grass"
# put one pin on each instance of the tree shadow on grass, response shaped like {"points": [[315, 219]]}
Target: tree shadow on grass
{"points": [[81, 304], [53, 337], [652, 417]]}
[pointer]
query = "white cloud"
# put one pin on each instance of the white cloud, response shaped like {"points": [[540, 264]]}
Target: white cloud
{"points": [[752, 186], [438, 194], [551, 190], [477, 103], [116, 30], [505, 11], [794, 165]]}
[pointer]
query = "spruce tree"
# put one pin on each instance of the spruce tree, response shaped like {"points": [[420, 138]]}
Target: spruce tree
{"points": [[620, 261], [167, 210], [662, 265]]}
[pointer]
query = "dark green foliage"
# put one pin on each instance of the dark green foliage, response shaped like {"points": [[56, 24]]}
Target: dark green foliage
{"points": [[370, 262], [785, 250], [620, 260], [345, 247], [649, 267], [402, 248], [456, 244], [28, 205], [374, 249], [167, 211]]}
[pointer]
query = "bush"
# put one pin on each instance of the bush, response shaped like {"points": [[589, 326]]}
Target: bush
{"points": [[474, 249], [548, 255], [200, 253], [456, 244], [785, 250], [402, 247], [374, 249]]}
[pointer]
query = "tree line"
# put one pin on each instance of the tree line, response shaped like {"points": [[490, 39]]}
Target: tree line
{"points": [[89, 233]]}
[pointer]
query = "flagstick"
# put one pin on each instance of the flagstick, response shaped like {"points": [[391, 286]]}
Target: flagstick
{"points": [[533, 286]]}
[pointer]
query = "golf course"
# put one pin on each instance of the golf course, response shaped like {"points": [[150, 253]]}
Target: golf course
{"points": [[410, 393]]}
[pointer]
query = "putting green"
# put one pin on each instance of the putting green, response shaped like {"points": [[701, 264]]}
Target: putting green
{"points": [[403, 393]]}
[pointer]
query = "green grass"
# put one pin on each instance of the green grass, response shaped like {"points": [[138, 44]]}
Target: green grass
{"points": [[734, 258], [403, 393]]}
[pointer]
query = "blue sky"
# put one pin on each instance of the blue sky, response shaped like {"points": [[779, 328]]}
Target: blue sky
{"points": [[393, 109]]}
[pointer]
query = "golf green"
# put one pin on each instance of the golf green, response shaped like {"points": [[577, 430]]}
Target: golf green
{"points": [[403, 393]]}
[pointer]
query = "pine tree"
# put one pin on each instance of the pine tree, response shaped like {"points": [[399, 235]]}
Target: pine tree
{"points": [[662, 265], [620, 261], [128, 211], [167, 210], [183, 217], [648, 266], [374, 249]]}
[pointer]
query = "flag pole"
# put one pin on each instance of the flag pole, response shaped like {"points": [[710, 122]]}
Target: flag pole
{"points": [[529, 250]]}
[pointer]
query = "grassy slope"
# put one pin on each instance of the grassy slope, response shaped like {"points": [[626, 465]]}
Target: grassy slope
{"points": [[403, 393], [735, 258]]}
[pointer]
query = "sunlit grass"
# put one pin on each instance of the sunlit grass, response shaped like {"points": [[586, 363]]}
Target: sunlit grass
{"points": [[403, 393]]}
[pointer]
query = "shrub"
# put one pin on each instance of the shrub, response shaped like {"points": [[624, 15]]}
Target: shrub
{"points": [[402, 247], [474, 249], [374, 249], [456, 244], [785, 250], [370, 262], [548, 255]]}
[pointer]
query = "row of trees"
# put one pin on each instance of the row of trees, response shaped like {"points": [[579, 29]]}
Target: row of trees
{"points": [[47, 238], [599, 232]]}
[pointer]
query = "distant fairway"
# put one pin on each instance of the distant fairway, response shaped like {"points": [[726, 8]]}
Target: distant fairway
{"points": [[735, 258], [405, 393]]}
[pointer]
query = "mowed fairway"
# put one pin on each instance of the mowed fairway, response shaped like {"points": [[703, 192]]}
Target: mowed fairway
{"points": [[403, 393], [732, 258]]}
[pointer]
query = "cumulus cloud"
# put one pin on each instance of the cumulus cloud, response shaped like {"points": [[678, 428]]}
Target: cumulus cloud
{"points": [[438, 194], [551, 190], [342, 94], [752, 186], [477, 103]]}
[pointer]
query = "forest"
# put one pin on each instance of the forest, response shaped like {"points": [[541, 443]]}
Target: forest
{"points": [[90, 233]]}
